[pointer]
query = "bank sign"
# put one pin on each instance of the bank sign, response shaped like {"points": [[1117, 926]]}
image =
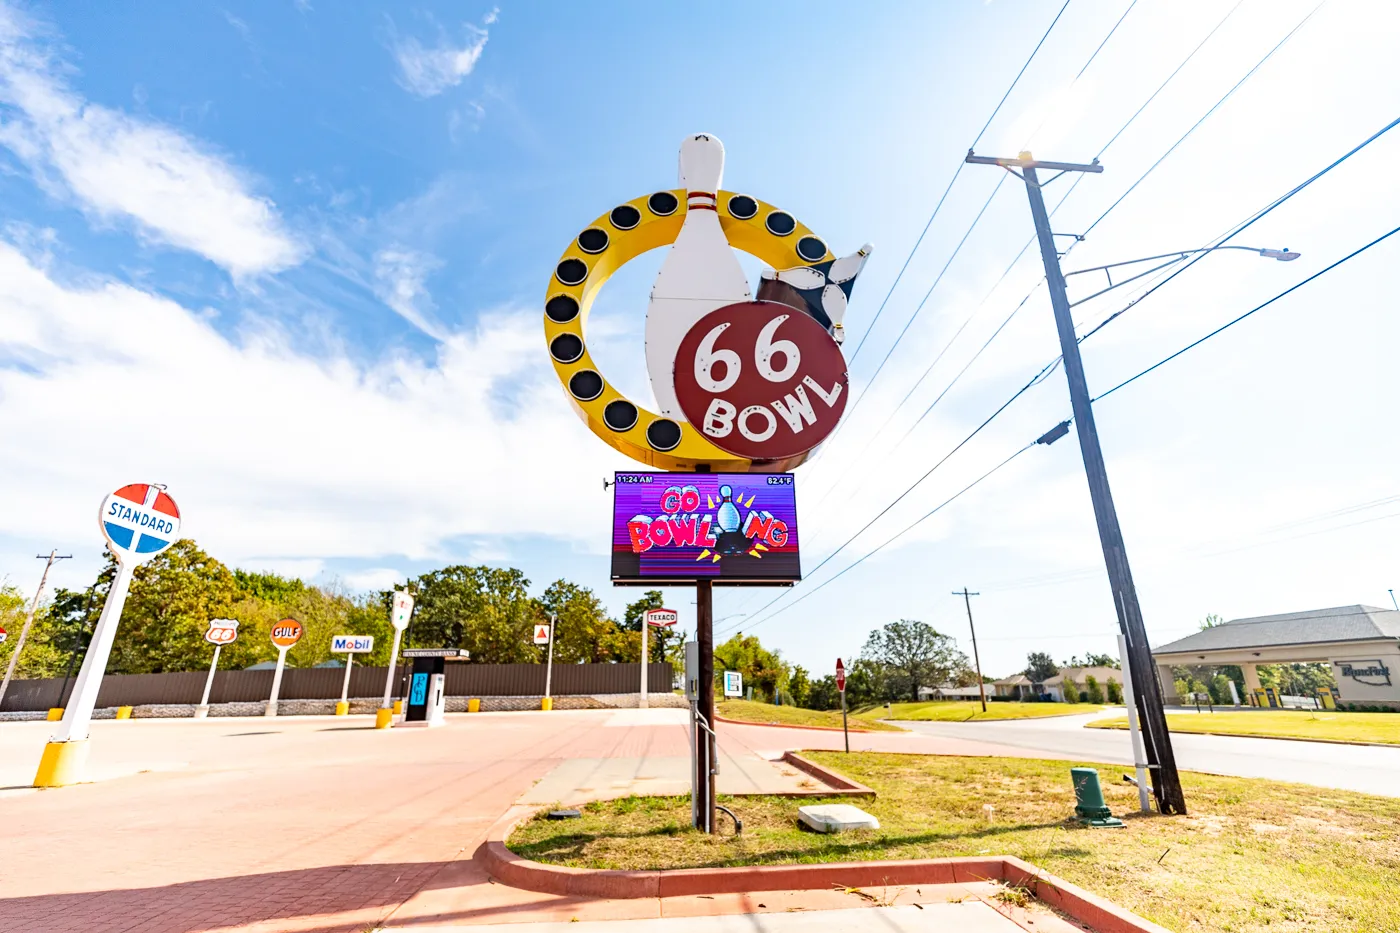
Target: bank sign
{"points": [[1372, 673]]}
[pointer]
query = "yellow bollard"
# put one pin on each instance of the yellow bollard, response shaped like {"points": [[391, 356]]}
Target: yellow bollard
{"points": [[123, 712], [55, 713], [398, 704], [62, 763], [547, 703], [342, 707], [473, 705], [383, 718]]}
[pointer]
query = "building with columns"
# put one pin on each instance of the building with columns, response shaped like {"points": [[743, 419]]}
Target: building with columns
{"points": [[1362, 643]]}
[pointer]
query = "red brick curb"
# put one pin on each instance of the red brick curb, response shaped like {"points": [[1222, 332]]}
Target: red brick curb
{"points": [[789, 725], [841, 785], [1100, 915]]}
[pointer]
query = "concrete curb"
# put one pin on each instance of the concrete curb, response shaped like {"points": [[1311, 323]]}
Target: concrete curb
{"points": [[841, 785], [494, 858], [789, 725], [1274, 738]]}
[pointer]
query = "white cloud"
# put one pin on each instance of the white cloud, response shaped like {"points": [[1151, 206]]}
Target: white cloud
{"points": [[428, 71], [119, 167], [400, 275], [376, 578], [277, 457]]}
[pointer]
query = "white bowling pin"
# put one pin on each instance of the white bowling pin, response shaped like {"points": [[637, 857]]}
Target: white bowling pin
{"points": [[701, 272]]}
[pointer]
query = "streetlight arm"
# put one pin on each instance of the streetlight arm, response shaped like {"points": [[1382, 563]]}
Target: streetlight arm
{"points": [[1282, 255]]}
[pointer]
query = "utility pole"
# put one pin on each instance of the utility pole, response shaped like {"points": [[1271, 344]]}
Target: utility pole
{"points": [[981, 687], [1166, 783], [52, 558]]}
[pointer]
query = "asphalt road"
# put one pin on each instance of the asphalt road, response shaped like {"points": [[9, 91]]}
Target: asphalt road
{"points": [[1364, 768]]}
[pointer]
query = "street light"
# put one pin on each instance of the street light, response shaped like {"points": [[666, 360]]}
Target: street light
{"points": [[1282, 255]]}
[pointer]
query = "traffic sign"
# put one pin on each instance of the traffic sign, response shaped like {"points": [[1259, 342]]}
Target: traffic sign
{"points": [[3, 635], [661, 617], [352, 644], [221, 632], [840, 676], [541, 634], [287, 633], [139, 521], [403, 609], [733, 684]]}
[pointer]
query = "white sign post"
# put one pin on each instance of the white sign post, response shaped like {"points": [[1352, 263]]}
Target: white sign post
{"points": [[544, 635], [284, 635], [349, 645], [659, 618], [221, 632], [733, 684], [399, 615], [139, 521]]}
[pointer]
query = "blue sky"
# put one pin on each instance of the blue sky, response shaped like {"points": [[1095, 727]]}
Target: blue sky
{"points": [[289, 260]]}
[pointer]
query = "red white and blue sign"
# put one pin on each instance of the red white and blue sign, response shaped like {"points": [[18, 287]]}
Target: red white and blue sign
{"points": [[139, 521]]}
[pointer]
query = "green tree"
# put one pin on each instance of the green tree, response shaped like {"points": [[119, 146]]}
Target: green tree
{"points": [[584, 633], [1211, 621], [632, 617], [799, 685], [763, 670], [167, 611], [867, 683], [486, 610], [915, 654], [1091, 659], [1040, 667], [822, 693], [1115, 691], [1092, 688]]}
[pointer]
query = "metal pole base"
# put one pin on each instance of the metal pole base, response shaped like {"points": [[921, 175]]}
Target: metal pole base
{"points": [[201, 711], [62, 763]]}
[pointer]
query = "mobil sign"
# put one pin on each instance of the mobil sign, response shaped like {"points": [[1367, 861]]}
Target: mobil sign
{"points": [[352, 644], [139, 521]]}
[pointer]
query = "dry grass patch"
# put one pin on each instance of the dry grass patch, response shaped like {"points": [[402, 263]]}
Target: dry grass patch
{"points": [[770, 715], [971, 711], [1252, 856], [1334, 725]]}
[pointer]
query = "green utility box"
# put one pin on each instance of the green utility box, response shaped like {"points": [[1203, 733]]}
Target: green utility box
{"points": [[1089, 805]]}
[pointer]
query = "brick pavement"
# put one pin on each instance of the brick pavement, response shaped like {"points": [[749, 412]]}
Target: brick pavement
{"points": [[316, 825]]}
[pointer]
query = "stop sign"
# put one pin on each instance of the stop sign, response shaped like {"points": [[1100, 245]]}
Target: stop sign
{"points": [[840, 676]]}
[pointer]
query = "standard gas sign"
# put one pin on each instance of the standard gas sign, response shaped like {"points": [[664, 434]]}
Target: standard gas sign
{"points": [[139, 521], [221, 632], [661, 617], [287, 633], [352, 644]]}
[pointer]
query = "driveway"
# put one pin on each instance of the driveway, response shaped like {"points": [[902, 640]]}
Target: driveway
{"points": [[1364, 768]]}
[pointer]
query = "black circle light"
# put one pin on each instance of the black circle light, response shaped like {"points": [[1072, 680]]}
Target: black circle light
{"points": [[811, 249], [625, 217], [663, 434], [742, 207], [561, 309], [780, 223], [586, 385], [663, 203], [571, 271], [593, 240], [620, 415], [566, 348]]}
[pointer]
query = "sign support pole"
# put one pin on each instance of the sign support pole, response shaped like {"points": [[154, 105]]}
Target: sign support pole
{"points": [[202, 710], [276, 683], [385, 716], [549, 664], [705, 750], [844, 730], [29, 620], [78, 715], [642, 703], [1134, 727], [345, 686]]}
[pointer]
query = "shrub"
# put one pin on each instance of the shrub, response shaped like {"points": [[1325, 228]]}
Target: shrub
{"points": [[1115, 691], [1093, 693]]}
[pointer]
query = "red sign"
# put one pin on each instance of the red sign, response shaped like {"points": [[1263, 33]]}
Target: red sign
{"points": [[840, 676], [221, 632], [761, 380], [3, 635]]}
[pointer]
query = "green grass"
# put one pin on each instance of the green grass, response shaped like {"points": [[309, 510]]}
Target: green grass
{"points": [[1253, 856], [971, 711], [768, 714], [1288, 724]]}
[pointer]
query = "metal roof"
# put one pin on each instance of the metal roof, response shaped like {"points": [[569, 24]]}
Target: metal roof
{"points": [[1342, 623]]}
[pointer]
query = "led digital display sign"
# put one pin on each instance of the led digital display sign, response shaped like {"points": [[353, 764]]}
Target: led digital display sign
{"points": [[731, 528]]}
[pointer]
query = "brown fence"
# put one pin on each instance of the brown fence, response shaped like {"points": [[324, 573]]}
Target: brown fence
{"points": [[323, 683]]}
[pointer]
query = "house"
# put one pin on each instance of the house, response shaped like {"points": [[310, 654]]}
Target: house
{"points": [[1021, 687], [950, 692]]}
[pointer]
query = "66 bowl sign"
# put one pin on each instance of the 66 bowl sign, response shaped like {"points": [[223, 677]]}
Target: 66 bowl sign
{"points": [[761, 379]]}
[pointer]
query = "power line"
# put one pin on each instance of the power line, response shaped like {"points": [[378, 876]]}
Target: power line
{"points": [[939, 206], [1228, 324], [887, 542]]}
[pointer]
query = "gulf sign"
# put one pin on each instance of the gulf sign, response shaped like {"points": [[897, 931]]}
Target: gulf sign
{"points": [[139, 521], [660, 617], [352, 644], [221, 632], [287, 633]]}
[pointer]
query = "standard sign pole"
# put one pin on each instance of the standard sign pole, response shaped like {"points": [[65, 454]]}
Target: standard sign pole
{"points": [[221, 632], [398, 617], [841, 688], [284, 635], [657, 617], [349, 645], [139, 521], [544, 635]]}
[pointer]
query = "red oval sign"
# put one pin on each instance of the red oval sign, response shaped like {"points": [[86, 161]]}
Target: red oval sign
{"points": [[761, 380]]}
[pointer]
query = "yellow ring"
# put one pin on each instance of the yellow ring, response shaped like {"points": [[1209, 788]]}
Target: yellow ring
{"points": [[693, 453]]}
